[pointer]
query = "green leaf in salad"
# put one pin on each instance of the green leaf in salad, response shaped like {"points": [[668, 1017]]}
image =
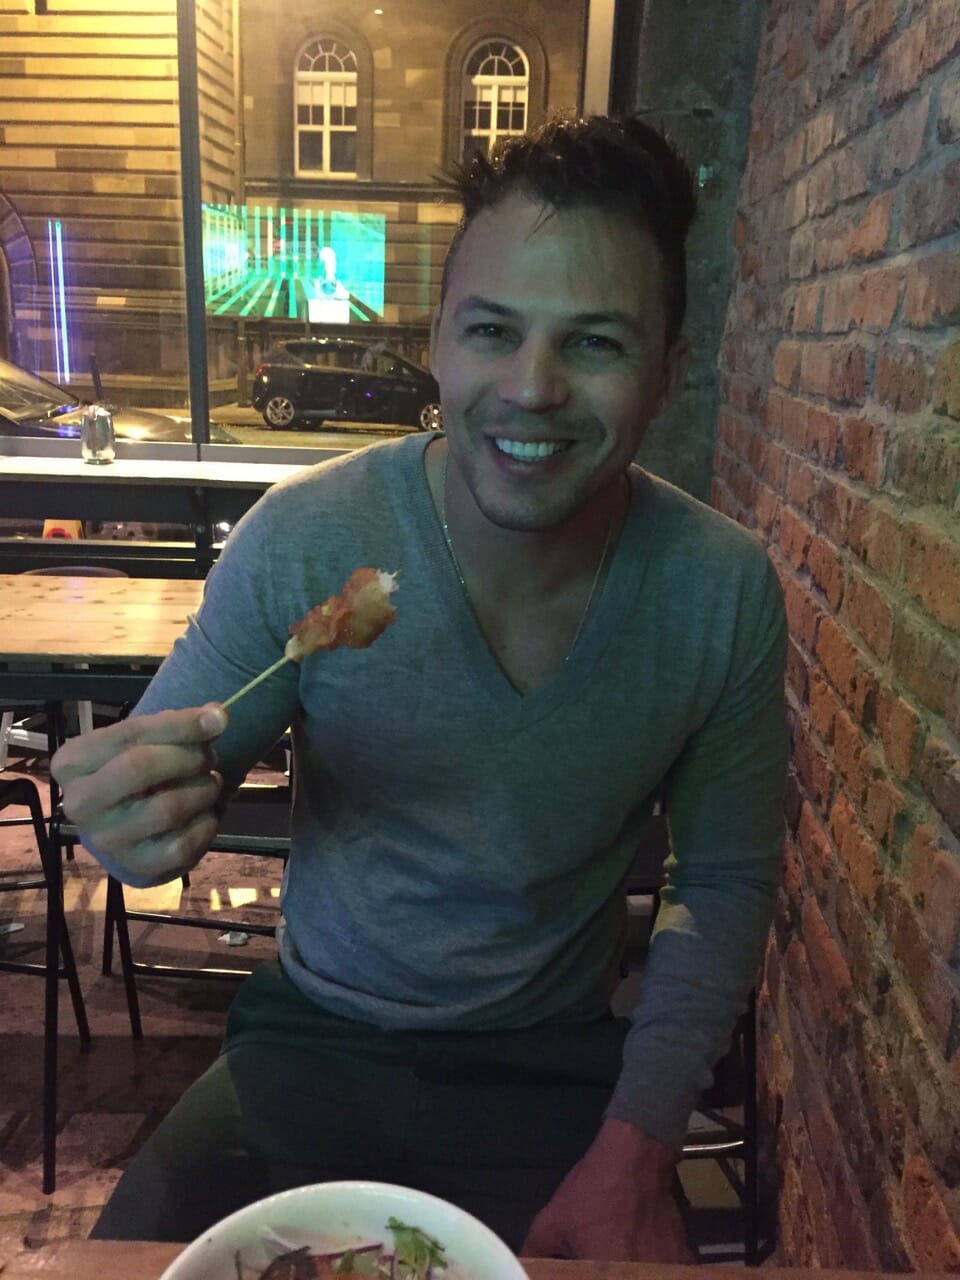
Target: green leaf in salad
{"points": [[415, 1253]]}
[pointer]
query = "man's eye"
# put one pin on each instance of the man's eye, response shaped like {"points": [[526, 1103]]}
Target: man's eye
{"points": [[485, 330], [598, 344]]}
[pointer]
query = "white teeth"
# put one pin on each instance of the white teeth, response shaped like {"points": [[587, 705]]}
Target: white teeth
{"points": [[529, 449]]}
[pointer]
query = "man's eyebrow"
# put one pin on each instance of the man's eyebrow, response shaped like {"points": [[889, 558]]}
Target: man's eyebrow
{"points": [[475, 302]]}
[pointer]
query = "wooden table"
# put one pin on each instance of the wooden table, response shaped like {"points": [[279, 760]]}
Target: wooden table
{"points": [[119, 629], [97, 1260]]}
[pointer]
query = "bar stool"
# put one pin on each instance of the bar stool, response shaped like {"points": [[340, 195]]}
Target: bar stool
{"points": [[58, 962]]}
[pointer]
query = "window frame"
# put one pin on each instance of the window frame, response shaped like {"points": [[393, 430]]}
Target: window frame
{"points": [[495, 83], [326, 80]]}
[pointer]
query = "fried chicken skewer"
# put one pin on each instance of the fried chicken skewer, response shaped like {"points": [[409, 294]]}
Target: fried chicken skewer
{"points": [[354, 618]]}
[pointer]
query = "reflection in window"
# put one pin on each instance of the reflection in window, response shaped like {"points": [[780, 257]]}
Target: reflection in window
{"points": [[495, 86], [326, 110]]}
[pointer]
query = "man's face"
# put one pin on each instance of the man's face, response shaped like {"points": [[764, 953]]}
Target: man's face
{"points": [[551, 357]]}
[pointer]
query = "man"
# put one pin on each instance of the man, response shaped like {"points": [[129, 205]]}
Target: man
{"points": [[573, 638]]}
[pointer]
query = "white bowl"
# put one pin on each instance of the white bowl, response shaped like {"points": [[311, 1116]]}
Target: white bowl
{"points": [[338, 1215]]}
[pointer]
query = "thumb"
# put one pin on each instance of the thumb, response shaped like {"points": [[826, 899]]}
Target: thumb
{"points": [[546, 1237]]}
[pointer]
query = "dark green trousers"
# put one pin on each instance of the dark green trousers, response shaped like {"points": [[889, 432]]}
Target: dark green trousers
{"points": [[491, 1121]]}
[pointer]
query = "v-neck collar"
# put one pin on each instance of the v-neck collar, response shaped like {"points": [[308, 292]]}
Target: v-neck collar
{"points": [[614, 597]]}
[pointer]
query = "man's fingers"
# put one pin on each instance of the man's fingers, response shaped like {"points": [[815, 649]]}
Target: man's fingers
{"points": [[159, 815], [79, 757], [138, 773], [157, 860]]}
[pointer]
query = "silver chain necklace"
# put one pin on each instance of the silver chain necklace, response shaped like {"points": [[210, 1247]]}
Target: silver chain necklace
{"points": [[601, 563]]}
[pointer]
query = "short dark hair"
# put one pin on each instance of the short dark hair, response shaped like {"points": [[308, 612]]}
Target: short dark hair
{"points": [[618, 163]]}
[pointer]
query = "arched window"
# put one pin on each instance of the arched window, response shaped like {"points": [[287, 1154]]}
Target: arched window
{"points": [[325, 129], [496, 82]]}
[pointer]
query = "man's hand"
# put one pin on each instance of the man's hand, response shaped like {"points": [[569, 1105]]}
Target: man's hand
{"points": [[614, 1204], [143, 791]]}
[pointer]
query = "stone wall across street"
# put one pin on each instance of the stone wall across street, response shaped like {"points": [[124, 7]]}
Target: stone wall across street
{"points": [[839, 442]]}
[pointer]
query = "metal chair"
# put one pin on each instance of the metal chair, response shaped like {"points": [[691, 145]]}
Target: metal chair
{"points": [[257, 821], [58, 962]]}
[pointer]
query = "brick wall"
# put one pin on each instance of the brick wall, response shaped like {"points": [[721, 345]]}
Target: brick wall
{"points": [[839, 442]]}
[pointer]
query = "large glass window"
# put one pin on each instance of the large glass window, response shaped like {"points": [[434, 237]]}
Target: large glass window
{"points": [[496, 84], [326, 110]]}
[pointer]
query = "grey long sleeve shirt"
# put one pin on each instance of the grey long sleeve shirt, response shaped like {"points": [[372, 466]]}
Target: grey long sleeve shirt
{"points": [[458, 848]]}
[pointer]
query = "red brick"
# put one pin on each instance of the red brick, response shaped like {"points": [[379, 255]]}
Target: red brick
{"points": [[940, 775], [839, 297], [806, 311], [830, 14], [870, 27], [817, 850], [793, 423], [876, 300], [933, 291], [883, 805], [816, 364], [819, 135], [931, 565], [824, 705], [786, 364], [948, 126], [943, 33], [833, 507], [868, 239], [876, 537], [795, 535], [898, 726], [926, 467], [767, 508], [820, 190], [850, 174], [901, 64], [927, 976], [897, 144], [795, 61], [813, 768], [803, 612], [797, 202], [864, 450], [870, 615], [931, 205], [925, 663], [822, 441], [826, 569], [902, 379], [936, 1246], [934, 879], [826, 959], [853, 757], [843, 663], [857, 850], [794, 153], [946, 380], [803, 482], [797, 672], [851, 114]]}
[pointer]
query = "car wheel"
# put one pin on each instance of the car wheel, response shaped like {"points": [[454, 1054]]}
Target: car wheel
{"points": [[431, 418], [279, 411]]}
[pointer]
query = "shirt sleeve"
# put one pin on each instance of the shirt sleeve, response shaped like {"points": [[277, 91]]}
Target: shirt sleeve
{"points": [[239, 630], [725, 810]]}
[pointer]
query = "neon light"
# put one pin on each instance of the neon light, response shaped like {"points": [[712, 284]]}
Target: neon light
{"points": [[53, 300], [257, 248]]}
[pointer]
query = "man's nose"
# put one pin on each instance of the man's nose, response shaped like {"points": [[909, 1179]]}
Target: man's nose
{"points": [[533, 377]]}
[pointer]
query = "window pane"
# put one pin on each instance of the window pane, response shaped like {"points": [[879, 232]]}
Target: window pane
{"points": [[343, 152], [303, 114], [311, 149]]}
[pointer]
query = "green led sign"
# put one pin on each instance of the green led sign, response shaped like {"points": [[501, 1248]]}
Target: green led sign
{"points": [[287, 263]]}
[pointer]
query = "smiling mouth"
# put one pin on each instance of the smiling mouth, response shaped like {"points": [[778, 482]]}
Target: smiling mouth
{"points": [[530, 450]]}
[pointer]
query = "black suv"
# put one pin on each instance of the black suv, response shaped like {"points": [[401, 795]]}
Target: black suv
{"points": [[343, 379]]}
